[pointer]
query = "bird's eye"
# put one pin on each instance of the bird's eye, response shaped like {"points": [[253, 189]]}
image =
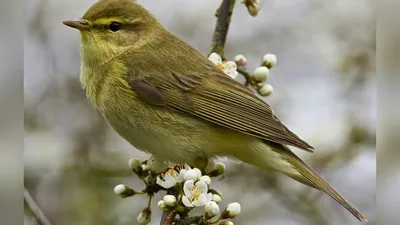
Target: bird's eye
{"points": [[115, 26]]}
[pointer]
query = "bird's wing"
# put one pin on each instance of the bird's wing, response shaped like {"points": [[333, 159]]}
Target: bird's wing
{"points": [[219, 99]]}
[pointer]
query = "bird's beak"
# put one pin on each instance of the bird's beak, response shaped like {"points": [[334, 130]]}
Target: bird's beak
{"points": [[80, 25]]}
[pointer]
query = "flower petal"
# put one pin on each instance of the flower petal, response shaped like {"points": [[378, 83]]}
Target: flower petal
{"points": [[201, 201], [186, 201], [202, 186], [215, 58], [187, 188], [209, 197], [198, 172]]}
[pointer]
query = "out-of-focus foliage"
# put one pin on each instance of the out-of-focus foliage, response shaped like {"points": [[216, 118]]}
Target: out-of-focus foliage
{"points": [[323, 90]]}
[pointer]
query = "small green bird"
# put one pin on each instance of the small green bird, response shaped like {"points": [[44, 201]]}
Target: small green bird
{"points": [[166, 98]]}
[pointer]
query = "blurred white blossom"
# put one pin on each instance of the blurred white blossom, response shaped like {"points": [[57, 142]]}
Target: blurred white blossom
{"points": [[261, 74], [211, 209], [216, 198], [240, 60], [266, 90], [253, 6], [229, 67], [192, 174], [269, 60], [123, 191], [206, 179], [144, 217], [161, 205], [232, 210], [169, 200], [195, 194]]}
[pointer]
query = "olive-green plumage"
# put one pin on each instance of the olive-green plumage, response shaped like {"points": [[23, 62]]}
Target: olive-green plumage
{"points": [[166, 98]]}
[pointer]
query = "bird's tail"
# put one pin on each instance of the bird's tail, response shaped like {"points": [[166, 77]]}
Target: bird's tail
{"points": [[309, 177]]}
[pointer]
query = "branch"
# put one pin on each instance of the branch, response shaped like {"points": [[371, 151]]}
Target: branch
{"points": [[36, 212], [224, 14]]}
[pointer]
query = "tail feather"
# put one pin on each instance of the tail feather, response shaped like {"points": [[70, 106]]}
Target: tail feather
{"points": [[311, 178]]}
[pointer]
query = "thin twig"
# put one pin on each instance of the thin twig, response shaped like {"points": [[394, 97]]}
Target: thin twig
{"points": [[36, 212], [224, 14]]}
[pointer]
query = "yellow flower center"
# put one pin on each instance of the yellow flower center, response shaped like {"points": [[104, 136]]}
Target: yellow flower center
{"points": [[196, 192]]}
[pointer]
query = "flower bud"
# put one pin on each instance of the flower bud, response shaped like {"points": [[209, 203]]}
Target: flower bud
{"points": [[136, 166], [206, 179], [144, 217], [212, 209], [216, 198], [169, 200], [226, 223], [265, 90], [192, 174], [123, 191], [253, 6], [261, 74], [161, 205], [240, 60], [269, 60], [231, 211], [218, 170]]}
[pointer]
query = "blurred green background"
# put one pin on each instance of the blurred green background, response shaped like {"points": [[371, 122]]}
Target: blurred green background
{"points": [[324, 91]]}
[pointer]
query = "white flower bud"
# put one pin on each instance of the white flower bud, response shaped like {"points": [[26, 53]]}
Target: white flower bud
{"points": [[266, 90], [192, 174], [169, 200], [240, 60], [231, 211], [261, 74], [212, 209], [135, 164], [218, 170], [269, 60], [206, 179], [226, 223], [216, 198], [123, 191], [144, 217], [220, 167], [253, 6], [161, 205]]}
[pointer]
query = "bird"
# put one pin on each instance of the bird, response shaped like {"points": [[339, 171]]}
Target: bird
{"points": [[169, 100]]}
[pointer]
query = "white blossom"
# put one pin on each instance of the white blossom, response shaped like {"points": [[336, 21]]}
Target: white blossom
{"points": [[269, 60], [229, 67], [206, 179], [253, 6], [220, 167], [161, 205], [266, 90], [135, 164], [123, 191], [211, 209], [169, 200], [195, 194], [216, 198], [172, 176], [240, 60], [144, 217], [232, 210], [192, 174], [261, 74]]}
